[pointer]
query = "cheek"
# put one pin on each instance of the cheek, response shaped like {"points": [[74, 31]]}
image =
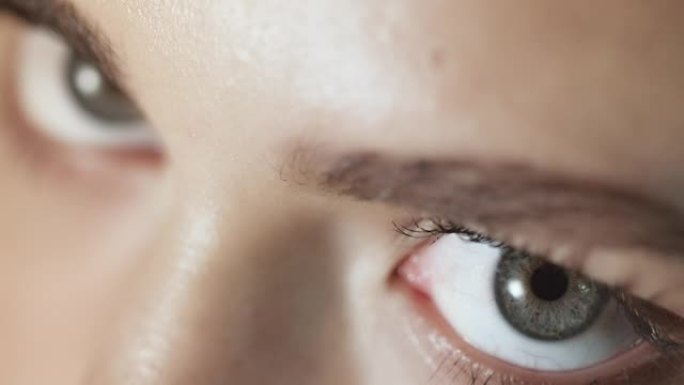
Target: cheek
{"points": [[62, 264]]}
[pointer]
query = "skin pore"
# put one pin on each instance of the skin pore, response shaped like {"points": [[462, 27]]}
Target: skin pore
{"points": [[260, 248]]}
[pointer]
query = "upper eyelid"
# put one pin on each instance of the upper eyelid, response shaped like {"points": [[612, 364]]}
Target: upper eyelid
{"points": [[62, 18], [571, 222]]}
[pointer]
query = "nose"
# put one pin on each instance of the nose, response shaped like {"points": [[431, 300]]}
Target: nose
{"points": [[232, 295]]}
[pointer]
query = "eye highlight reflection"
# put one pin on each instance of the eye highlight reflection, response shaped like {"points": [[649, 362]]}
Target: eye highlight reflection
{"points": [[504, 316]]}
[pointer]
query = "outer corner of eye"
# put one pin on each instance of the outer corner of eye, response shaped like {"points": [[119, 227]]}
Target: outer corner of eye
{"points": [[517, 312], [68, 101]]}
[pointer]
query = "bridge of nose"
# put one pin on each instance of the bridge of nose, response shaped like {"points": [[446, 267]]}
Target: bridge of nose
{"points": [[233, 299]]}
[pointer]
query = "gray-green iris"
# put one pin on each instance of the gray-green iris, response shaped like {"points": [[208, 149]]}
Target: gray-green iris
{"points": [[97, 95], [544, 301]]}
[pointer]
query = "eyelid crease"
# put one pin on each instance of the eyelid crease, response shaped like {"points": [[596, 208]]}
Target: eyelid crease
{"points": [[62, 18]]}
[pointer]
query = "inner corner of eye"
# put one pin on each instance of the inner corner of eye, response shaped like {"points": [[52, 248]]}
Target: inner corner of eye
{"points": [[411, 272]]}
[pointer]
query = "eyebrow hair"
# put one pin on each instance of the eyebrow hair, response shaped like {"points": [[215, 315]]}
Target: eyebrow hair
{"points": [[511, 202], [62, 18]]}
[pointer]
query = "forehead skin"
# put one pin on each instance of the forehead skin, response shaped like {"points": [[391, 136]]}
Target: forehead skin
{"points": [[588, 88]]}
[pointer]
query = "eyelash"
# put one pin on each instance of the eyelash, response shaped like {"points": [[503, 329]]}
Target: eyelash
{"points": [[648, 329]]}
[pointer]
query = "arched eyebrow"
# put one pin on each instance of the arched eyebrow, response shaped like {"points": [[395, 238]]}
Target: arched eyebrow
{"points": [[62, 18]]}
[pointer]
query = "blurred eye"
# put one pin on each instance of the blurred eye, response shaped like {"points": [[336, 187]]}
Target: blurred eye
{"points": [[518, 309], [67, 99]]}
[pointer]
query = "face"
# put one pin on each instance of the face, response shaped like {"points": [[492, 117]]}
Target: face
{"points": [[341, 192]]}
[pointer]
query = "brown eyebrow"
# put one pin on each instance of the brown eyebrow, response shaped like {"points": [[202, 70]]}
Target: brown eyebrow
{"points": [[513, 202], [61, 17], [528, 208]]}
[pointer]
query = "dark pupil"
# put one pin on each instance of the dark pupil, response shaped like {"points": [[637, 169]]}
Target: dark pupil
{"points": [[549, 283]]}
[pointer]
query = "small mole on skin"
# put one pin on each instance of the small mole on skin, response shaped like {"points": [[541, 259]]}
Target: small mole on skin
{"points": [[438, 58]]}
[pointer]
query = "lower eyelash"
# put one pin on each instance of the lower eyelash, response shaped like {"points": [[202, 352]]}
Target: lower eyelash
{"points": [[455, 368], [451, 369]]}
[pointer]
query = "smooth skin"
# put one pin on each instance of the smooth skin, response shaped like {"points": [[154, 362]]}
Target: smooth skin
{"points": [[211, 268]]}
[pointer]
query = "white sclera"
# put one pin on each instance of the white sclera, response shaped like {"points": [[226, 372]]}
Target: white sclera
{"points": [[462, 287], [45, 98]]}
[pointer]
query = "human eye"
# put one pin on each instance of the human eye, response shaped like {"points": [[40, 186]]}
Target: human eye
{"points": [[511, 317], [63, 111], [68, 99]]}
